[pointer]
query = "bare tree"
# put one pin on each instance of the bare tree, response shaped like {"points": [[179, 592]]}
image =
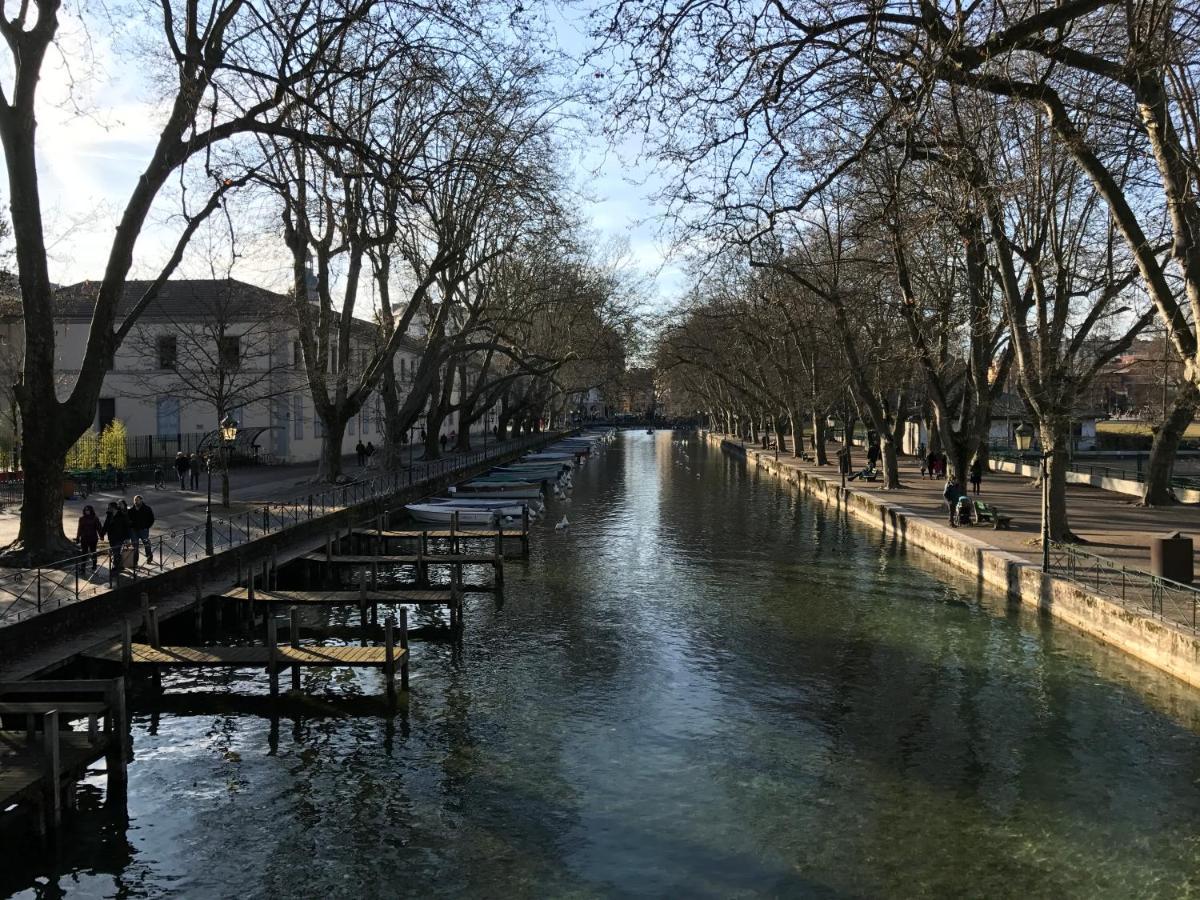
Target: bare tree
{"points": [[229, 68]]}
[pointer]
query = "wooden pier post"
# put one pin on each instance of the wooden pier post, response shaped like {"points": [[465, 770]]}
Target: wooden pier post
{"points": [[454, 532], [273, 654], [144, 598], [328, 559], [389, 655], [152, 626], [362, 604], [274, 568], [525, 530], [294, 634], [198, 607], [155, 671], [118, 749], [500, 535], [422, 567], [52, 768], [126, 645], [404, 647]]}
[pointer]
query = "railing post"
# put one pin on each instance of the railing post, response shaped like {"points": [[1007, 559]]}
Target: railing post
{"points": [[39, 590]]}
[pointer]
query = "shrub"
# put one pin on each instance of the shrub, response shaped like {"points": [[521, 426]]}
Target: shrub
{"points": [[112, 445]]}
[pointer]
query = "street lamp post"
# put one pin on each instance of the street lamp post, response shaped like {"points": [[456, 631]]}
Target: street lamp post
{"points": [[1024, 436], [228, 432], [208, 534]]}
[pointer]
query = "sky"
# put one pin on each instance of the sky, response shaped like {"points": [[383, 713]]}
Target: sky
{"points": [[97, 131]]}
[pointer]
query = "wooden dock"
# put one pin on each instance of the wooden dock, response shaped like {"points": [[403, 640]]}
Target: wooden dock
{"points": [[41, 772], [422, 562], [272, 655], [246, 657], [340, 598], [381, 538]]}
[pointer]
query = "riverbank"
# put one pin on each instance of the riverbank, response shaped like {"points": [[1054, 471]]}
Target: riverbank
{"points": [[914, 517]]}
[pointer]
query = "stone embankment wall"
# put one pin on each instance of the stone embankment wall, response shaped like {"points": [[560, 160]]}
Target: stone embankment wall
{"points": [[1159, 643]]}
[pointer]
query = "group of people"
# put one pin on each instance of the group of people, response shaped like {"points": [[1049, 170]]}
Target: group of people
{"points": [[122, 525], [365, 453], [188, 467]]}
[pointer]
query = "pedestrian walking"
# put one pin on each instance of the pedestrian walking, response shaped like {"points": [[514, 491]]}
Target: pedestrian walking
{"points": [[976, 474], [369, 454], [87, 533], [141, 517], [931, 463], [442, 441], [453, 439], [424, 436], [872, 456], [194, 468], [361, 452], [951, 494], [181, 469], [115, 530]]}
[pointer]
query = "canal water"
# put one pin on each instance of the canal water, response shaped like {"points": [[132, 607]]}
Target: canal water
{"points": [[706, 687]]}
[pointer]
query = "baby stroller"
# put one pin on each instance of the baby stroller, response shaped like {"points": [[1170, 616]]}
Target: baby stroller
{"points": [[964, 510]]}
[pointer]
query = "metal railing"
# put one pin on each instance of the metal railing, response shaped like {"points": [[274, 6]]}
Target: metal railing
{"points": [[28, 592], [1134, 589], [1183, 482]]}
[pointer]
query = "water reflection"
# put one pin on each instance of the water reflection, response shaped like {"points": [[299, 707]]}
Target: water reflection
{"points": [[707, 687]]}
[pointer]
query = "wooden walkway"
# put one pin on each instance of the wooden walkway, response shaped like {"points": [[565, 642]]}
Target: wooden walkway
{"points": [[340, 598], [41, 771], [439, 559], [249, 656], [441, 533]]}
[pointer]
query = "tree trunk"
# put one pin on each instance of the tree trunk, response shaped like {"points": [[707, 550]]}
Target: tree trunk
{"points": [[780, 440], [330, 468], [797, 434], [1166, 442], [891, 468], [41, 537], [1056, 442], [818, 438]]}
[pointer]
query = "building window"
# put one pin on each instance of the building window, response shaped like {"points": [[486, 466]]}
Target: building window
{"points": [[167, 417], [364, 419], [166, 351], [231, 352], [297, 355], [298, 418], [379, 415]]}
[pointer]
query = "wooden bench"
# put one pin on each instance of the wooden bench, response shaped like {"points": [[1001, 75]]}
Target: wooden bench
{"points": [[985, 513]]}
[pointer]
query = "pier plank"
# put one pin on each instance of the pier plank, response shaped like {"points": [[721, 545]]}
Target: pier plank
{"points": [[439, 559], [249, 656], [340, 598]]}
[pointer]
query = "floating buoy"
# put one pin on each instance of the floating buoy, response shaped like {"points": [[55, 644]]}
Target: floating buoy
{"points": [[563, 525]]}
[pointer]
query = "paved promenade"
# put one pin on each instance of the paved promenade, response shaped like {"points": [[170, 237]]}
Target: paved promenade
{"points": [[1110, 525], [249, 486]]}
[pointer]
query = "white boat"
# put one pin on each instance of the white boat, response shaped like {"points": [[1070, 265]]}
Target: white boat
{"points": [[441, 514], [486, 492], [502, 507]]}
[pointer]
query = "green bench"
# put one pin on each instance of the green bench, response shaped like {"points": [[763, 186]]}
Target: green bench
{"points": [[985, 513]]}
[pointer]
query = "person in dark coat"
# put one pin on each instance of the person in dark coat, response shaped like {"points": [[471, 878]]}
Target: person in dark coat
{"points": [[951, 494], [369, 454], [87, 534], [872, 456], [141, 517], [361, 452], [181, 469], [116, 531], [194, 467], [976, 475]]}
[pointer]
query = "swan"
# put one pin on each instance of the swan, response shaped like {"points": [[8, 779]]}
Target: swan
{"points": [[563, 525]]}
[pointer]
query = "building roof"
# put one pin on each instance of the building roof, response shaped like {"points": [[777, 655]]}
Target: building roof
{"points": [[182, 299]]}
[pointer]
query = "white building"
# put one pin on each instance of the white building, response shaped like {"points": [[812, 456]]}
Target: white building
{"points": [[204, 340]]}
